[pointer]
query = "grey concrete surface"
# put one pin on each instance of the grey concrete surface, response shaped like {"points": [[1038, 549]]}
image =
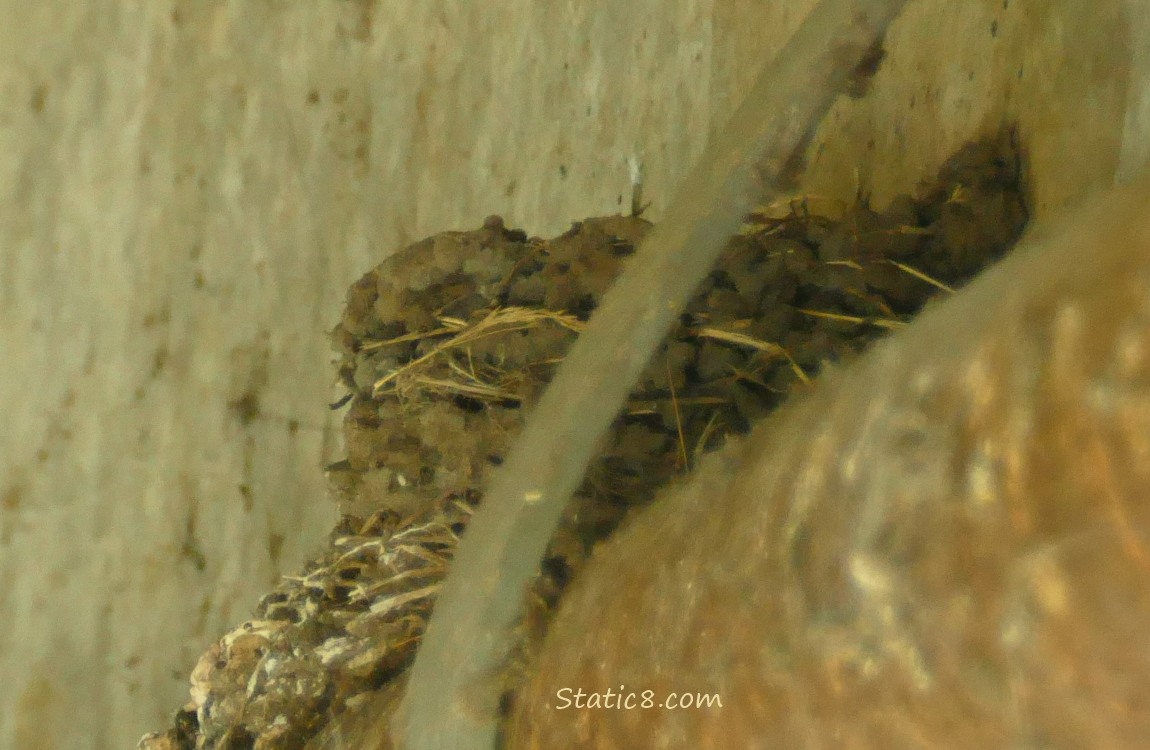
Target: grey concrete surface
{"points": [[187, 188]]}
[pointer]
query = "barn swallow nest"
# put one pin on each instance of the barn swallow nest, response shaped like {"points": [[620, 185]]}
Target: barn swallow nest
{"points": [[444, 345]]}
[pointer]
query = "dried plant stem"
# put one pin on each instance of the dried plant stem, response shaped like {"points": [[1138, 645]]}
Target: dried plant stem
{"points": [[452, 697], [854, 319], [921, 276], [496, 321]]}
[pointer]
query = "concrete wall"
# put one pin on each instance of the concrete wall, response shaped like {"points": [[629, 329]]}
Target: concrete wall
{"points": [[187, 187]]}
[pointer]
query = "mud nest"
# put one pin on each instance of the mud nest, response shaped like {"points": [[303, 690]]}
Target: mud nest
{"points": [[445, 346]]}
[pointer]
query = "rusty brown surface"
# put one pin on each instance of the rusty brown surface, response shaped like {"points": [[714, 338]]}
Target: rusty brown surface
{"points": [[944, 546]]}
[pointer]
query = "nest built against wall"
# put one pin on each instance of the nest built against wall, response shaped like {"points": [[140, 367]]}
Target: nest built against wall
{"points": [[446, 345]]}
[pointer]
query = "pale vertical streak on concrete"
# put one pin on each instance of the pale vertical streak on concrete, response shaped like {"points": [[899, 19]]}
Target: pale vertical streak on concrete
{"points": [[188, 189]]}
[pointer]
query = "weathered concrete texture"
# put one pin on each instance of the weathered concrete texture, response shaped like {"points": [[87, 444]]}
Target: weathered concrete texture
{"points": [[1066, 72], [189, 186]]}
